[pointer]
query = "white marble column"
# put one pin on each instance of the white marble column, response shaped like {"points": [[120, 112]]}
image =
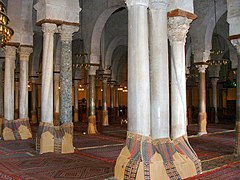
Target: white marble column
{"points": [[104, 103], [138, 68], [34, 100], [10, 57], [159, 68], [24, 54], [1, 86], [47, 72], [202, 116], [214, 97], [66, 73], [76, 85], [56, 97], [177, 31]]}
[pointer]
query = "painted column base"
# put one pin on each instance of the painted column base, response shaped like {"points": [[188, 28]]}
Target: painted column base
{"points": [[57, 139], [144, 158], [75, 119], [34, 117], [105, 118], [56, 119], [92, 128], [202, 116], [19, 129]]}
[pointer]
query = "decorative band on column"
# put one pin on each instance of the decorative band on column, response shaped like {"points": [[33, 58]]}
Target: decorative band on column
{"points": [[57, 139], [183, 147], [19, 129], [137, 3], [135, 158], [166, 149]]}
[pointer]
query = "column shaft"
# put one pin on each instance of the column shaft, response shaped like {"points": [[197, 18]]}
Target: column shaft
{"points": [[34, 101], [1, 87], [159, 70], [47, 73], [10, 57], [16, 99], [214, 96], [112, 96], [24, 54], [76, 84], [56, 98], [92, 111], [104, 103], [138, 70]]}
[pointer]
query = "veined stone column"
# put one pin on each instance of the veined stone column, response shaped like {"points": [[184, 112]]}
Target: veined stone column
{"points": [[76, 84], [34, 101], [1, 88], [214, 94], [92, 128], [104, 103], [10, 57], [47, 73], [202, 116], [56, 98], [18, 129], [178, 28], [236, 43], [159, 69], [138, 140], [111, 110], [24, 54], [16, 99], [66, 74]]}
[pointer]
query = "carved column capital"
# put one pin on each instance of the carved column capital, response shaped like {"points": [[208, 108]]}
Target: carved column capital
{"points": [[137, 3], [10, 52], [178, 28], [66, 32], [158, 4], [24, 53], [202, 67], [49, 28]]}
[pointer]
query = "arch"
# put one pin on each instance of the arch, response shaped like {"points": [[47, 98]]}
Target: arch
{"points": [[97, 31], [117, 41]]}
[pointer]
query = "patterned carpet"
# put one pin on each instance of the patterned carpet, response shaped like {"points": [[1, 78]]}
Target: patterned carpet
{"points": [[95, 156]]}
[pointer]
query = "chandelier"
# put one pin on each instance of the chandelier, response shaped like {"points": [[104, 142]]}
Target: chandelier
{"points": [[5, 31]]}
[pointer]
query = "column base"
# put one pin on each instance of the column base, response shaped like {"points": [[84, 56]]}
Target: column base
{"points": [[202, 117], [92, 129], [56, 119], [34, 117], [105, 118], [144, 158], [57, 139], [75, 119], [19, 129]]}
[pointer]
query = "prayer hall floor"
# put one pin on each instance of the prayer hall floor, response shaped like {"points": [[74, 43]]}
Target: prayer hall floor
{"points": [[95, 155]]}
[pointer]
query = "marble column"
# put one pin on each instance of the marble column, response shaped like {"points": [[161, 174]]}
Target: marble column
{"points": [[104, 103], [177, 31], [56, 98], [10, 57], [47, 73], [112, 96], [202, 116], [159, 68], [24, 54], [214, 98], [66, 73], [1, 87], [34, 101], [16, 99], [92, 128], [138, 140], [39, 100], [236, 43], [76, 85], [138, 68]]}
